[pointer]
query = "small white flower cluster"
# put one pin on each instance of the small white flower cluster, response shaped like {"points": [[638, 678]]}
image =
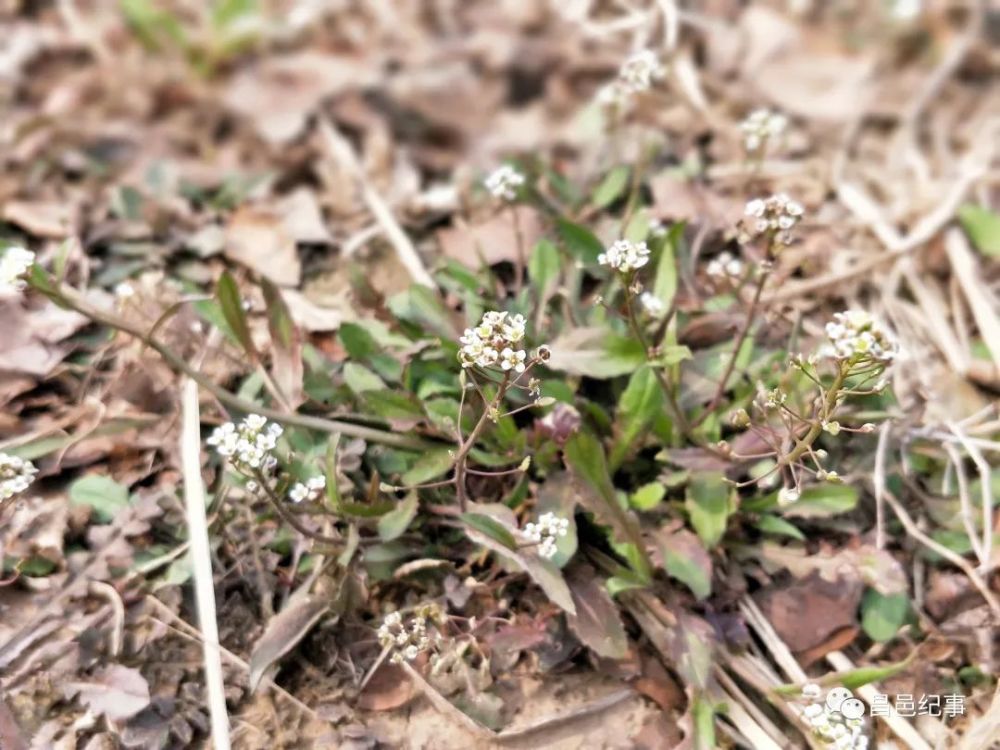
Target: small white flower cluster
{"points": [[248, 445], [652, 304], [773, 217], [14, 263], [16, 475], [545, 533], [838, 720], [503, 182], [125, 290], [625, 256], [636, 74], [856, 336], [308, 491], [657, 228], [725, 267], [494, 342], [408, 639], [760, 126], [788, 496]]}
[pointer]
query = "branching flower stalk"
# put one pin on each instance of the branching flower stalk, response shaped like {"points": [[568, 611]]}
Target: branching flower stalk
{"points": [[860, 350], [626, 258], [771, 220], [493, 347]]}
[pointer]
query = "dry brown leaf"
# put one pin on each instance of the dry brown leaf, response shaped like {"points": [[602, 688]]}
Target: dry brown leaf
{"points": [[876, 568], [806, 612], [30, 338], [278, 94], [117, 692], [596, 622], [310, 316], [301, 215], [388, 688], [494, 240], [259, 239], [49, 219], [284, 632]]}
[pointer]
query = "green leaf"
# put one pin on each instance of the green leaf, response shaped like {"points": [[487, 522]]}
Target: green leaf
{"points": [[983, 228], [619, 583], [543, 269], [882, 616], [852, 679], [611, 187], [392, 404], [231, 304], [101, 493], [665, 284], [430, 465], [490, 527], [648, 496], [357, 340], [279, 319], [286, 355], [672, 355], [779, 526], [360, 379], [640, 403], [686, 560], [584, 455], [396, 521], [708, 504], [821, 500], [581, 243], [543, 572], [597, 622], [595, 353], [704, 724], [423, 307]]}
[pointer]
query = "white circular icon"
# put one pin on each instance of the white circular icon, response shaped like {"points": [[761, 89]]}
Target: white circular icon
{"points": [[852, 708], [836, 697]]}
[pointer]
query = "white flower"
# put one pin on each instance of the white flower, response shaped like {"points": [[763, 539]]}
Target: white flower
{"points": [[625, 256], [725, 266], [503, 182], [906, 10], [652, 304], [406, 639], [249, 445], [14, 263], [124, 290], [495, 341], [512, 360], [857, 337], [760, 126], [775, 217], [657, 228], [636, 74], [788, 496], [639, 71], [16, 475], [545, 533], [308, 491]]}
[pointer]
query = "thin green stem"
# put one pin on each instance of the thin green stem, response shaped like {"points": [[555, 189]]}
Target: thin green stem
{"points": [[289, 518], [723, 385], [69, 298], [668, 392]]}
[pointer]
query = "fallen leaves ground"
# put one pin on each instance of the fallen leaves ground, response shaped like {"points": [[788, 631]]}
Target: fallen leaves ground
{"points": [[130, 155]]}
